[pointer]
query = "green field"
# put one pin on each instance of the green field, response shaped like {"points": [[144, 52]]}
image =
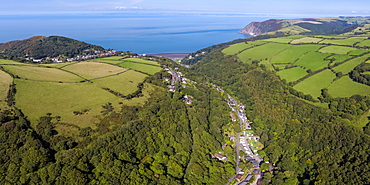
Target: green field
{"points": [[357, 52], [235, 48], [292, 74], [141, 67], [284, 40], [306, 40], [42, 73], [267, 64], [36, 99], [347, 41], [350, 65], [265, 51], [56, 65], [280, 66], [142, 61], [293, 53], [110, 60], [313, 84], [5, 81], [124, 83], [338, 58], [313, 61], [2, 61], [91, 70], [346, 87], [337, 49], [365, 43]]}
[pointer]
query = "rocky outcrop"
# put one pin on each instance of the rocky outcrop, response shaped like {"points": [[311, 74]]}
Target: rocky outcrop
{"points": [[258, 28]]}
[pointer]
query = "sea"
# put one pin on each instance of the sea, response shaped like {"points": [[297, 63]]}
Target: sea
{"points": [[139, 32]]}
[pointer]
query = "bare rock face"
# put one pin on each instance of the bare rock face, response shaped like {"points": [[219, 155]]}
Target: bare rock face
{"points": [[258, 28]]}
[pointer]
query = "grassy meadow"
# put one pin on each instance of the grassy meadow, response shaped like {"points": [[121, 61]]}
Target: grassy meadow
{"points": [[293, 53], [292, 74], [313, 61], [337, 49], [149, 69], [313, 84], [348, 66], [306, 40], [91, 70], [346, 87], [142, 61], [5, 81], [346, 41], [262, 52]]}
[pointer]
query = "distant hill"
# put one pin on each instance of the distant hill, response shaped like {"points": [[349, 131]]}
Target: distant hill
{"points": [[40, 47], [305, 26]]}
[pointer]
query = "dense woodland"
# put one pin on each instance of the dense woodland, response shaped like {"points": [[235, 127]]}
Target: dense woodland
{"points": [[163, 142], [309, 144], [40, 47]]}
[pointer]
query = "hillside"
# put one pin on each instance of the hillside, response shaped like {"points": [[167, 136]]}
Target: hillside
{"points": [[312, 26], [40, 47]]}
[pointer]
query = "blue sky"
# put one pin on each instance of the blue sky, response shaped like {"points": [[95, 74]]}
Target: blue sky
{"points": [[322, 7]]}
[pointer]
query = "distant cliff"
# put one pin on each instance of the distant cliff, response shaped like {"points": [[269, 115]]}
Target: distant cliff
{"points": [[326, 25], [258, 28]]}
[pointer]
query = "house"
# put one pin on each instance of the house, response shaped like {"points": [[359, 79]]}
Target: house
{"points": [[243, 183], [239, 176], [256, 171], [255, 163], [220, 157]]}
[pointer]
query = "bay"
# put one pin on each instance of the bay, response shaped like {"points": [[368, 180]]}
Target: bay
{"points": [[139, 32]]}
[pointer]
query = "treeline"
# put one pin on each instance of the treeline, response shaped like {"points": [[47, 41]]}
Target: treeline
{"points": [[358, 75], [163, 142], [309, 144]]}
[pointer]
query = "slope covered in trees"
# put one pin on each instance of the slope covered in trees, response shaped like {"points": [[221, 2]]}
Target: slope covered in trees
{"points": [[40, 47]]}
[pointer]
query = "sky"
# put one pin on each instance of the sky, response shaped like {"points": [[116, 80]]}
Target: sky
{"points": [[322, 7]]}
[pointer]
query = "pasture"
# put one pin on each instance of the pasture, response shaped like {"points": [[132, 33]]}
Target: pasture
{"points": [[3, 61], [313, 61], [284, 40], [267, 64], [91, 70], [56, 65], [280, 66], [346, 87], [124, 83], [364, 43], [357, 52], [290, 55], [149, 69], [42, 73], [338, 58], [292, 74], [235, 48], [348, 66], [337, 49], [262, 52], [345, 41], [313, 84], [36, 99], [142, 61], [110, 60], [5, 81], [306, 40]]}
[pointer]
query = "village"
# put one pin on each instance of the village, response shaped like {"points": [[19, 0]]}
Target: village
{"points": [[245, 141]]}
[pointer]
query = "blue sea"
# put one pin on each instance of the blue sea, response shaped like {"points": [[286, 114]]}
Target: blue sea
{"points": [[139, 32]]}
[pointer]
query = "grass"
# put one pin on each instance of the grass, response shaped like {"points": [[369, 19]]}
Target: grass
{"points": [[124, 83], [291, 30], [91, 70], [313, 84], [141, 67], [235, 48], [280, 66], [337, 49], [284, 40], [306, 40], [339, 58], [42, 73], [346, 41], [267, 64], [110, 60], [357, 52], [2, 61], [57, 65], [36, 99], [362, 120], [365, 43], [262, 52], [291, 54], [292, 74], [5, 81], [313, 61], [346, 87], [139, 60], [350, 65]]}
